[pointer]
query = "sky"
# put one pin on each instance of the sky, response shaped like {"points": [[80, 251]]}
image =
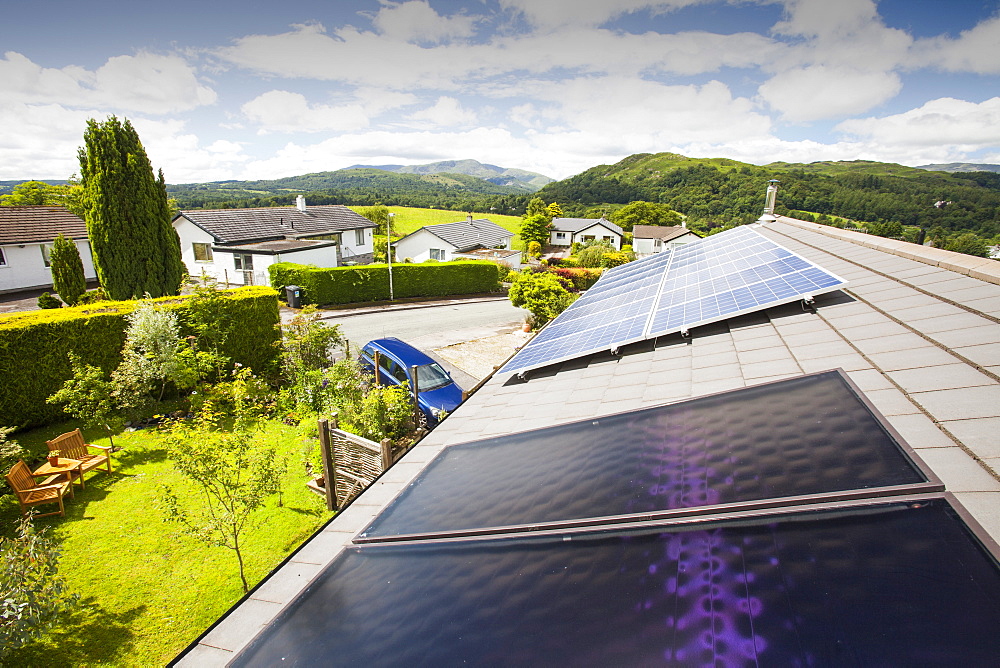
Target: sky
{"points": [[224, 90]]}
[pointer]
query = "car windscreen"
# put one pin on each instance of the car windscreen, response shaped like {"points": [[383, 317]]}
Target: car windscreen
{"points": [[431, 376]]}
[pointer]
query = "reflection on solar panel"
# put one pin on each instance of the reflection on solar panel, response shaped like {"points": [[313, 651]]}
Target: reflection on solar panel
{"points": [[887, 584], [722, 276], [802, 436]]}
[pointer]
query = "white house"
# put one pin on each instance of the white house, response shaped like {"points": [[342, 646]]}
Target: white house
{"points": [[238, 245], [26, 236], [649, 239], [567, 231], [467, 239]]}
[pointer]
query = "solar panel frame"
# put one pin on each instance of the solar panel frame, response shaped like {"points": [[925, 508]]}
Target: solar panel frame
{"points": [[722, 276]]}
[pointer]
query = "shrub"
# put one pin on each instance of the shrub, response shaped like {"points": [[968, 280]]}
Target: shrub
{"points": [[614, 259], [534, 249], [48, 300], [581, 279], [370, 283], [541, 294], [40, 341]]}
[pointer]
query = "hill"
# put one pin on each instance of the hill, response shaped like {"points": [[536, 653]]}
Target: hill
{"points": [[524, 180], [347, 186], [715, 191], [953, 167]]}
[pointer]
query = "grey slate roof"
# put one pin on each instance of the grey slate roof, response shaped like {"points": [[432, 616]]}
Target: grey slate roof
{"points": [[917, 330], [659, 232], [575, 225], [230, 226], [468, 234], [39, 224]]}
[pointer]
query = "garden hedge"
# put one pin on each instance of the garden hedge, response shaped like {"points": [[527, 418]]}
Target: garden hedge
{"points": [[370, 283], [34, 347]]}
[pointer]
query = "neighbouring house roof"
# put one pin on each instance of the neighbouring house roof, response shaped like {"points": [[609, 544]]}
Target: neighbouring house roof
{"points": [[916, 331], [659, 232], [275, 246], [468, 234], [575, 225], [491, 253], [233, 226], [39, 224]]}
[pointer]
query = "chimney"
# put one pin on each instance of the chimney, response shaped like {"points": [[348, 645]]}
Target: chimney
{"points": [[772, 195], [300, 203], [470, 216]]}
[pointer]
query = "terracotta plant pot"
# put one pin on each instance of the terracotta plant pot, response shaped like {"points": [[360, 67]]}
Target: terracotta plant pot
{"points": [[53, 461]]}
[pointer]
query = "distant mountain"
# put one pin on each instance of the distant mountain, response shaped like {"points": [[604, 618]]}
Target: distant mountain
{"points": [[503, 176], [953, 167], [361, 185]]}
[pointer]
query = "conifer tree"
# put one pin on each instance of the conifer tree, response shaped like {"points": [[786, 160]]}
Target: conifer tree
{"points": [[67, 270], [135, 248]]}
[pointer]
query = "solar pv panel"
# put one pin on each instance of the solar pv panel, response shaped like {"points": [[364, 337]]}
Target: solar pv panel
{"points": [[719, 277]]}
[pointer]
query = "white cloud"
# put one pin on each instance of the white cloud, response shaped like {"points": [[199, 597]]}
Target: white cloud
{"points": [[146, 83], [976, 50], [551, 14], [447, 111], [282, 111], [819, 91], [416, 21], [965, 126]]}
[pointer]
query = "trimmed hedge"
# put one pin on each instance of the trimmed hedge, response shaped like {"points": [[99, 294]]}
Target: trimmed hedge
{"points": [[34, 347], [370, 283]]}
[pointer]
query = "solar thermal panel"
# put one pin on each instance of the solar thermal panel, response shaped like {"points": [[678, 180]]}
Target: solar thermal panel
{"points": [[725, 275]]}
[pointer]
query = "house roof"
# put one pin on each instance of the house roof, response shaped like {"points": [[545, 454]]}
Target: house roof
{"points": [[39, 224], [575, 225], [276, 246], [916, 331], [230, 226], [468, 234], [659, 232]]}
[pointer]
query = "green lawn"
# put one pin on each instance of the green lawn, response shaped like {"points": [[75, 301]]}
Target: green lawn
{"points": [[409, 219], [147, 590]]}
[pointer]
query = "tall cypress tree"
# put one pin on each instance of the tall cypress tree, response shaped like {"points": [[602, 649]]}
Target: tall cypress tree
{"points": [[68, 278], [136, 249]]}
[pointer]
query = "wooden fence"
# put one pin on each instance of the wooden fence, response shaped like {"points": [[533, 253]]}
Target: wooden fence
{"points": [[351, 463]]}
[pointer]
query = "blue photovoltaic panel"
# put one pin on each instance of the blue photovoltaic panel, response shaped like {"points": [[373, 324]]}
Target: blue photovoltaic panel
{"points": [[722, 276]]}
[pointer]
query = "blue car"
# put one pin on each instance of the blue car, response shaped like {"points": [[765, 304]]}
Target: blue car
{"points": [[437, 392]]}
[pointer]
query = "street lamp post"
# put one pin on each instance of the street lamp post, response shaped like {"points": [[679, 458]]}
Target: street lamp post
{"points": [[388, 246]]}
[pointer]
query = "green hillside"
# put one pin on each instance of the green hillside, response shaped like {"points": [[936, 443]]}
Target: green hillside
{"points": [[716, 192]]}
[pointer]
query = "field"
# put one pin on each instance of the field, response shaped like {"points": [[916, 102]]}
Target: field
{"points": [[410, 219]]}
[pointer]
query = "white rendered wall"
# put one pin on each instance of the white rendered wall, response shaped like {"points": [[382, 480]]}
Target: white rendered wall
{"points": [[418, 245], [25, 268]]}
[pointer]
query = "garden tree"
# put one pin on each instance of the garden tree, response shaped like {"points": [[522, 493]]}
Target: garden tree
{"points": [[542, 294], [378, 214], [536, 223], [33, 596], [67, 270], [231, 465], [135, 248], [968, 243], [554, 211], [90, 396], [39, 193], [592, 252], [210, 321], [154, 353], [645, 213], [307, 349]]}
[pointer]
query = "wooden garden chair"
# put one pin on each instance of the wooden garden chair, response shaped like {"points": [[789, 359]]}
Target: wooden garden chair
{"points": [[30, 493], [71, 445]]}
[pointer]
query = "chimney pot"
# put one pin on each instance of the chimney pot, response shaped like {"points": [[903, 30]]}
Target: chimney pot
{"points": [[300, 203]]}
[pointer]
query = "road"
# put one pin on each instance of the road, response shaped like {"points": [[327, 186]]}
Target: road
{"points": [[433, 327]]}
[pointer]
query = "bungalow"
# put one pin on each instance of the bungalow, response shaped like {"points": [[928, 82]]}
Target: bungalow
{"points": [[467, 239], [238, 245], [567, 231], [649, 239], [26, 236]]}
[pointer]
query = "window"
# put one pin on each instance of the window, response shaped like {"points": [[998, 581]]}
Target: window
{"points": [[244, 261], [202, 252], [3, 259], [359, 237], [560, 235], [437, 254], [588, 237], [46, 251], [327, 237], [610, 240], [392, 369]]}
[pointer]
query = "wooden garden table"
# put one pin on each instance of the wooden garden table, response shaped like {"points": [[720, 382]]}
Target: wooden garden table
{"points": [[65, 467]]}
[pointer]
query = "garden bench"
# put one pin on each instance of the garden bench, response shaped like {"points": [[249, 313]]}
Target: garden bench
{"points": [[71, 445], [30, 493]]}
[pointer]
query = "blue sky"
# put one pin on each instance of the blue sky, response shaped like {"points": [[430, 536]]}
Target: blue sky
{"points": [[225, 90]]}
